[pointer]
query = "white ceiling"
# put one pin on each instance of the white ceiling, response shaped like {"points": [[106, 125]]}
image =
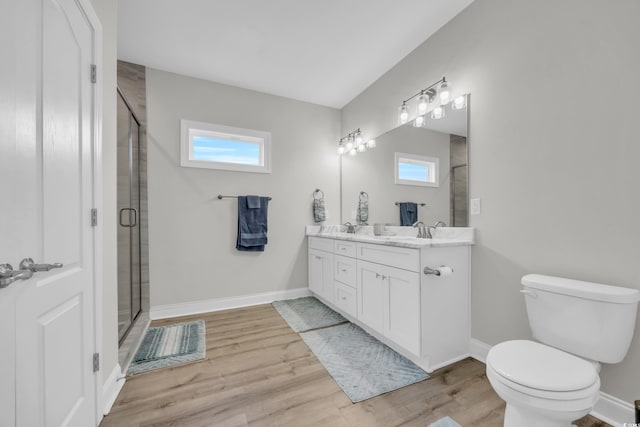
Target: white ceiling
{"points": [[323, 51]]}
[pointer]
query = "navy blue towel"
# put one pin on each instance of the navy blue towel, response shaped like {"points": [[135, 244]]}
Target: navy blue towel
{"points": [[252, 223], [408, 213]]}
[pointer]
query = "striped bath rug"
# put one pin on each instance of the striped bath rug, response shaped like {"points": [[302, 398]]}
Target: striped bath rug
{"points": [[170, 345]]}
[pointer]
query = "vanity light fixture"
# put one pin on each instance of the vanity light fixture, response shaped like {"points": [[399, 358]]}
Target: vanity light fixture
{"points": [[354, 143], [403, 114], [445, 92], [459, 102], [438, 112], [437, 96]]}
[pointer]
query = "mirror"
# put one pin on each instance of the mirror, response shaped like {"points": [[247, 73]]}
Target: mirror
{"points": [[410, 152]]}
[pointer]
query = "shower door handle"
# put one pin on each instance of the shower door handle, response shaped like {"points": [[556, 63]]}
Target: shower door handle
{"points": [[135, 217]]}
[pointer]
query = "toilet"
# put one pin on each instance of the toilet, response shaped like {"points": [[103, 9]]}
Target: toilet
{"points": [[577, 325]]}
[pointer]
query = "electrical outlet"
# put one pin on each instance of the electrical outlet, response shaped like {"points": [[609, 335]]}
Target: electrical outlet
{"points": [[475, 207]]}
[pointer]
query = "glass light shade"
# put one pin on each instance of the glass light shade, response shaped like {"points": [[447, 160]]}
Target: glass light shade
{"points": [[358, 138], [361, 148], [371, 143], [353, 152], [444, 93], [348, 146], [403, 114], [459, 102], [423, 104], [341, 149], [437, 113], [419, 121]]}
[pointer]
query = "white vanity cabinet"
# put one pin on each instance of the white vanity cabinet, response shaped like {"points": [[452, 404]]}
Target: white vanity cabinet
{"points": [[344, 274], [383, 288], [389, 303], [321, 268]]}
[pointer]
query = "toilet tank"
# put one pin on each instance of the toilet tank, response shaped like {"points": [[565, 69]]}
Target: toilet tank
{"points": [[587, 319]]}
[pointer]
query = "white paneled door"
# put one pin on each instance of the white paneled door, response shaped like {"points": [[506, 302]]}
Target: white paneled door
{"points": [[47, 142]]}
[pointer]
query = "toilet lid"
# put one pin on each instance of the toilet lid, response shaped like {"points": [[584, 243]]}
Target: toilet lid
{"points": [[538, 366]]}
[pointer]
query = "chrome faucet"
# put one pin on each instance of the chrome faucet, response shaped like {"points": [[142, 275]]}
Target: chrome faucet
{"points": [[351, 229], [422, 230], [433, 227]]}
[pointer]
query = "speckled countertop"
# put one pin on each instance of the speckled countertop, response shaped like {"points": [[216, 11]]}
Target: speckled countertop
{"points": [[404, 237]]}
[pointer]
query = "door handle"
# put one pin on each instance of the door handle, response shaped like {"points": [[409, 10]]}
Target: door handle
{"points": [[8, 275], [29, 264], [135, 217]]}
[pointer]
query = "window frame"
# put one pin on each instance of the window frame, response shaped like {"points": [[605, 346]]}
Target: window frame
{"points": [[433, 164], [190, 128]]}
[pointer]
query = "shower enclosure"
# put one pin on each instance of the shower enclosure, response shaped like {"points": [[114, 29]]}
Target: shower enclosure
{"points": [[128, 216]]}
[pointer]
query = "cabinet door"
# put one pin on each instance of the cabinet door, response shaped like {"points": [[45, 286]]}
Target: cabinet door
{"points": [[371, 294], [402, 311], [321, 274]]}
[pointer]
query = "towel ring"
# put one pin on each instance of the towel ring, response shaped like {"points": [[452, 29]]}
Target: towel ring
{"points": [[363, 196], [318, 193]]}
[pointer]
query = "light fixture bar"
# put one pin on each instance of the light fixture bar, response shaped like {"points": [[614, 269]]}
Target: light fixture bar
{"points": [[427, 91]]}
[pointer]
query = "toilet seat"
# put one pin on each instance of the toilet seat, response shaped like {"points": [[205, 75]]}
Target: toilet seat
{"points": [[541, 371]]}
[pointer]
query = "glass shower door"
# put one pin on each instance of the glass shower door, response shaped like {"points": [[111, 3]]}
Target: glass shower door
{"points": [[129, 269]]}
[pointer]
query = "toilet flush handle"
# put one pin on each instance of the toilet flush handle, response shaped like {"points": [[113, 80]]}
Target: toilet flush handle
{"points": [[528, 292]]}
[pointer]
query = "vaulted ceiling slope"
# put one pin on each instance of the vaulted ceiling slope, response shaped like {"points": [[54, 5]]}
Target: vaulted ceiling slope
{"points": [[324, 51]]}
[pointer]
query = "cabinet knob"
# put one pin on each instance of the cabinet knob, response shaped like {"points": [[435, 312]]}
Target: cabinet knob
{"points": [[343, 298], [344, 270]]}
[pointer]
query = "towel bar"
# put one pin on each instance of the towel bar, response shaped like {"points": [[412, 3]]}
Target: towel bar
{"points": [[220, 196], [419, 204]]}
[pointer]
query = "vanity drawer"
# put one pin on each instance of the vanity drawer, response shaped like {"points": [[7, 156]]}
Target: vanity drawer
{"points": [[321, 244], [344, 270], [393, 256], [345, 299], [345, 248]]}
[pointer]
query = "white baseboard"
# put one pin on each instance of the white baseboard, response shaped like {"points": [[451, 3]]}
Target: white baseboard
{"points": [[608, 408], [613, 411], [217, 304], [479, 350], [111, 388]]}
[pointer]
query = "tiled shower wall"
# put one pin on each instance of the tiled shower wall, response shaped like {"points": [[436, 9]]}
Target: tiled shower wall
{"points": [[459, 189]]}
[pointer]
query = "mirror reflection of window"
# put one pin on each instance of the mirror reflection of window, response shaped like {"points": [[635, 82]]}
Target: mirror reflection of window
{"points": [[413, 169]]}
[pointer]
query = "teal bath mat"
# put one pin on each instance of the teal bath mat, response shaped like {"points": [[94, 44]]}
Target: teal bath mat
{"points": [[304, 314], [170, 345], [361, 365]]}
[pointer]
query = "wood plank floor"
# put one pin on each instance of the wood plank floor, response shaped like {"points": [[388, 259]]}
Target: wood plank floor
{"points": [[258, 372]]}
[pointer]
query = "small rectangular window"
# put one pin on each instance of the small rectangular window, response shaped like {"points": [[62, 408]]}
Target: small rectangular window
{"points": [[205, 145], [412, 169]]}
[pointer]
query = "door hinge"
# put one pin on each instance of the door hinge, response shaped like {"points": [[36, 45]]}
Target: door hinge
{"points": [[94, 217], [96, 362], [94, 73]]}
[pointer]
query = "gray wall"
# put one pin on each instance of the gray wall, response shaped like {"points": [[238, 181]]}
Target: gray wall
{"points": [[553, 148], [191, 233], [107, 13]]}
